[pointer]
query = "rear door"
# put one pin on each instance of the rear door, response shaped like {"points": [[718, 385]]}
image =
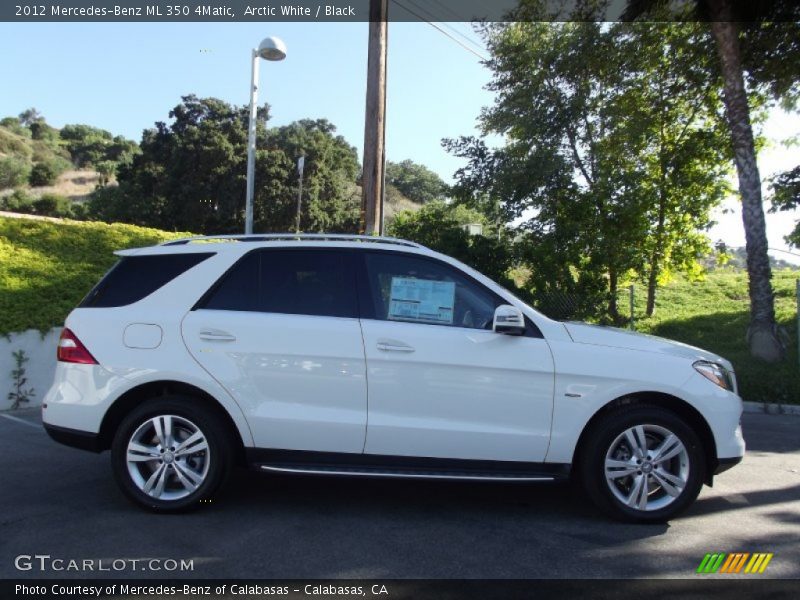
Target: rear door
{"points": [[280, 332]]}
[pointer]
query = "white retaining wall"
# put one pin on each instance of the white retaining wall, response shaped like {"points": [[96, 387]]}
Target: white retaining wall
{"points": [[41, 353]]}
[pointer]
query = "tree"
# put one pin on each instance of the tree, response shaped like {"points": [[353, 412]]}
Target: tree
{"points": [[552, 82], [40, 130], [415, 181], [331, 201], [611, 159], [685, 156], [786, 188], [30, 116], [765, 342], [89, 146], [106, 169], [763, 336], [191, 174], [441, 227]]}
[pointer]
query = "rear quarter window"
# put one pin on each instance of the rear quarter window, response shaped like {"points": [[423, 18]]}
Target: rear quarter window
{"points": [[136, 277]]}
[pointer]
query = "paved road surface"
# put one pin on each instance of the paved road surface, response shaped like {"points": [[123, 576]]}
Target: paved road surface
{"points": [[63, 502]]}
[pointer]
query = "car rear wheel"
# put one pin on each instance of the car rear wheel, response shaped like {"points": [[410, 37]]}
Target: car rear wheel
{"points": [[642, 463], [170, 454]]}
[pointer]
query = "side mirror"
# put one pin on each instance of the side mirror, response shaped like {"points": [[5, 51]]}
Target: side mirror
{"points": [[508, 320]]}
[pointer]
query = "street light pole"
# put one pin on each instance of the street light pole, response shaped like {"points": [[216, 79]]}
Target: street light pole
{"points": [[273, 49], [251, 147], [301, 163]]}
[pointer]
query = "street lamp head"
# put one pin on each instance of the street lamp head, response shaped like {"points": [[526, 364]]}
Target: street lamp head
{"points": [[272, 48]]}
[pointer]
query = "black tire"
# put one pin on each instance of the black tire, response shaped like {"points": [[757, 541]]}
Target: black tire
{"points": [[608, 432], [187, 412]]}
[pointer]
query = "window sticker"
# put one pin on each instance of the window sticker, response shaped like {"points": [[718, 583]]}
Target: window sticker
{"points": [[422, 300]]}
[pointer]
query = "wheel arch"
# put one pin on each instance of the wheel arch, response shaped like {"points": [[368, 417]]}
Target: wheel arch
{"points": [[133, 397], [680, 407]]}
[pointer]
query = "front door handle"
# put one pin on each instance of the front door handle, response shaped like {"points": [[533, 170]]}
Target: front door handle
{"points": [[393, 346], [214, 335]]}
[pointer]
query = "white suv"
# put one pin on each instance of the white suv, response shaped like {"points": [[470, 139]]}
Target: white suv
{"points": [[363, 356]]}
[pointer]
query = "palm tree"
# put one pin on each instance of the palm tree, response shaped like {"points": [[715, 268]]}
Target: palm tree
{"points": [[763, 332], [762, 335]]}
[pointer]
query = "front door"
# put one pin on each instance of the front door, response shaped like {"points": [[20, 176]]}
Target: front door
{"points": [[441, 383]]}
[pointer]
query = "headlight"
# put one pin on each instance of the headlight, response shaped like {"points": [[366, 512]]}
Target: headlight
{"points": [[716, 374]]}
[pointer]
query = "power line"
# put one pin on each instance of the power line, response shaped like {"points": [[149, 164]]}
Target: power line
{"points": [[784, 251], [458, 19], [769, 249], [435, 26], [435, 18]]}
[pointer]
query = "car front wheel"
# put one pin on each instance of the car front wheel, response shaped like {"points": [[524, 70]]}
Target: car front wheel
{"points": [[642, 463], [170, 454]]}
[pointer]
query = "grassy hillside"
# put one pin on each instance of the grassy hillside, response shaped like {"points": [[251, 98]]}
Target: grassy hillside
{"points": [[50, 171], [47, 267], [73, 184]]}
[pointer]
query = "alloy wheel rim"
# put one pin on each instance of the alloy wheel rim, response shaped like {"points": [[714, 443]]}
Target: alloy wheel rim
{"points": [[647, 467], [168, 457]]}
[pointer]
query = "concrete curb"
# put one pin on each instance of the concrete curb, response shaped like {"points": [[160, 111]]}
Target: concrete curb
{"points": [[772, 409]]}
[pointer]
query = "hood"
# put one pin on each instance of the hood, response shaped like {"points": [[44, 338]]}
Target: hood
{"points": [[583, 333]]}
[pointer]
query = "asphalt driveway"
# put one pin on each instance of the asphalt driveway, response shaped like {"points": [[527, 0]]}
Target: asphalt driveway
{"points": [[64, 503]]}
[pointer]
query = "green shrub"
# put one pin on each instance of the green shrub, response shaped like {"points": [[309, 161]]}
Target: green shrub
{"points": [[109, 204], [46, 267], [19, 201], [79, 211], [13, 172], [46, 173], [52, 205]]}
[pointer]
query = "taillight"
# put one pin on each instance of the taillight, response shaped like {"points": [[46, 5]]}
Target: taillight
{"points": [[71, 350]]}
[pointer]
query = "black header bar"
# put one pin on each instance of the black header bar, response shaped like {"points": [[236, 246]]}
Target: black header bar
{"points": [[261, 11]]}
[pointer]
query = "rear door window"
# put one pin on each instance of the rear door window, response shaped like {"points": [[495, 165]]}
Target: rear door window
{"points": [[136, 277], [296, 282]]}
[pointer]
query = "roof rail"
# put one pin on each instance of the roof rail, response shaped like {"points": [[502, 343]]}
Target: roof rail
{"points": [[288, 237]]}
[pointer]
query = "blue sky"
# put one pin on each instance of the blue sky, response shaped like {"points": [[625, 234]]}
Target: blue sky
{"points": [[125, 77]]}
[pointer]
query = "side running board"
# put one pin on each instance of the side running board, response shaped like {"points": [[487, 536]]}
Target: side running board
{"points": [[364, 465], [351, 471]]}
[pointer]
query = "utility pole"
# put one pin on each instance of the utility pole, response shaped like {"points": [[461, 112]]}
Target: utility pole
{"points": [[375, 121]]}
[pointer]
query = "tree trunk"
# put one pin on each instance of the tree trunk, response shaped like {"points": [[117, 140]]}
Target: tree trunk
{"points": [[658, 251], [762, 334], [652, 282], [613, 307]]}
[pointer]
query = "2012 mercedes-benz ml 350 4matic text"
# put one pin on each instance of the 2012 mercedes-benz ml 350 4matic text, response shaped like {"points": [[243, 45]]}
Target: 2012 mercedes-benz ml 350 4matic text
{"points": [[363, 356]]}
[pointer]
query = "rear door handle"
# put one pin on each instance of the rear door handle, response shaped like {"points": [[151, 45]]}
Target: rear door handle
{"points": [[214, 335], [393, 346]]}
